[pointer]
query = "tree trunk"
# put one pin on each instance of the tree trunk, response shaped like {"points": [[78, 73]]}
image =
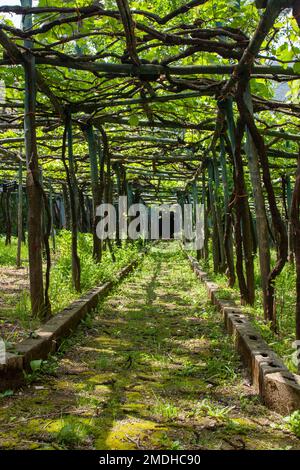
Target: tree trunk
{"points": [[243, 231], [290, 231], [67, 209], [34, 193], [228, 242], [8, 218], [20, 217], [72, 185], [96, 190], [295, 222], [279, 228], [260, 211]]}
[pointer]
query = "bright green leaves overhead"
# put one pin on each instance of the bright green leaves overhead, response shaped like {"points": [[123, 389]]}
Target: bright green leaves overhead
{"points": [[287, 53], [297, 67], [134, 120], [262, 88]]}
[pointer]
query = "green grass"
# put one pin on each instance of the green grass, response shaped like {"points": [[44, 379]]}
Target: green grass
{"points": [[8, 253], [73, 433], [62, 292], [92, 274], [208, 408], [167, 411], [23, 309]]}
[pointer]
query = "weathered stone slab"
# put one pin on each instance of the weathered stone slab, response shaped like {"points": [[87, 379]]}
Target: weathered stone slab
{"points": [[233, 318], [196, 268], [265, 362], [228, 309], [281, 392], [222, 303], [11, 373], [212, 288], [256, 355]]}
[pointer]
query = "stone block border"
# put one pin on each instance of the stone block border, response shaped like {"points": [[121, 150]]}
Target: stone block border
{"points": [[48, 337], [278, 388]]}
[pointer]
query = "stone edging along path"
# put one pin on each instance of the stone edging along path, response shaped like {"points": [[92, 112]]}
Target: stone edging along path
{"points": [[277, 386], [48, 337]]}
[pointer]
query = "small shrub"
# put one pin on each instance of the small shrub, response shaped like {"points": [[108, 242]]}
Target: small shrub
{"points": [[72, 434], [166, 410], [294, 422]]}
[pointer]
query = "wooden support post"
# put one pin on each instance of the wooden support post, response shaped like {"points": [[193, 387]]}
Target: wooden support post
{"points": [[206, 229], [8, 218], [289, 205], [243, 231], [20, 216], [260, 209], [215, 232], [34, 193], [72, 185], [96, 191], [66, 216], [228, 241], [52, 219], [116, 168], [217, 203], [195, 203], [295, 221]]}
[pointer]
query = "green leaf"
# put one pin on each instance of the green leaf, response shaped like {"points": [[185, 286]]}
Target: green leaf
{"points": [[297, 67], [134, 120], [7, 393], [36, 365]]}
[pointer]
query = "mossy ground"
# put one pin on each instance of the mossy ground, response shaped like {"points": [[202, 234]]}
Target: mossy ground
{"points": [[153, 369]]}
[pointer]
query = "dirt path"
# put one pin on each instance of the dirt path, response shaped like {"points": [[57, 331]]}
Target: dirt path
{"points": [[152, 370], [14, 287]]}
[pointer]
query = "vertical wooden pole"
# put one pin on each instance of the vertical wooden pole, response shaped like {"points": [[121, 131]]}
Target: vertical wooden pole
{"points": [[33, 190], [215, 232], [66, 213], [41, 180], [228, 241], [295, 222], [8, 217], [206, 228], [289, 205], [52, 219], [243, 231], [260, 210], [72, 184], [96, 191], [20, 216], [195, 203], [217, 203]]}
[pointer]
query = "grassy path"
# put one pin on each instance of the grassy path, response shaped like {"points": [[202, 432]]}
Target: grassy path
{"points": [[152, 370]]}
